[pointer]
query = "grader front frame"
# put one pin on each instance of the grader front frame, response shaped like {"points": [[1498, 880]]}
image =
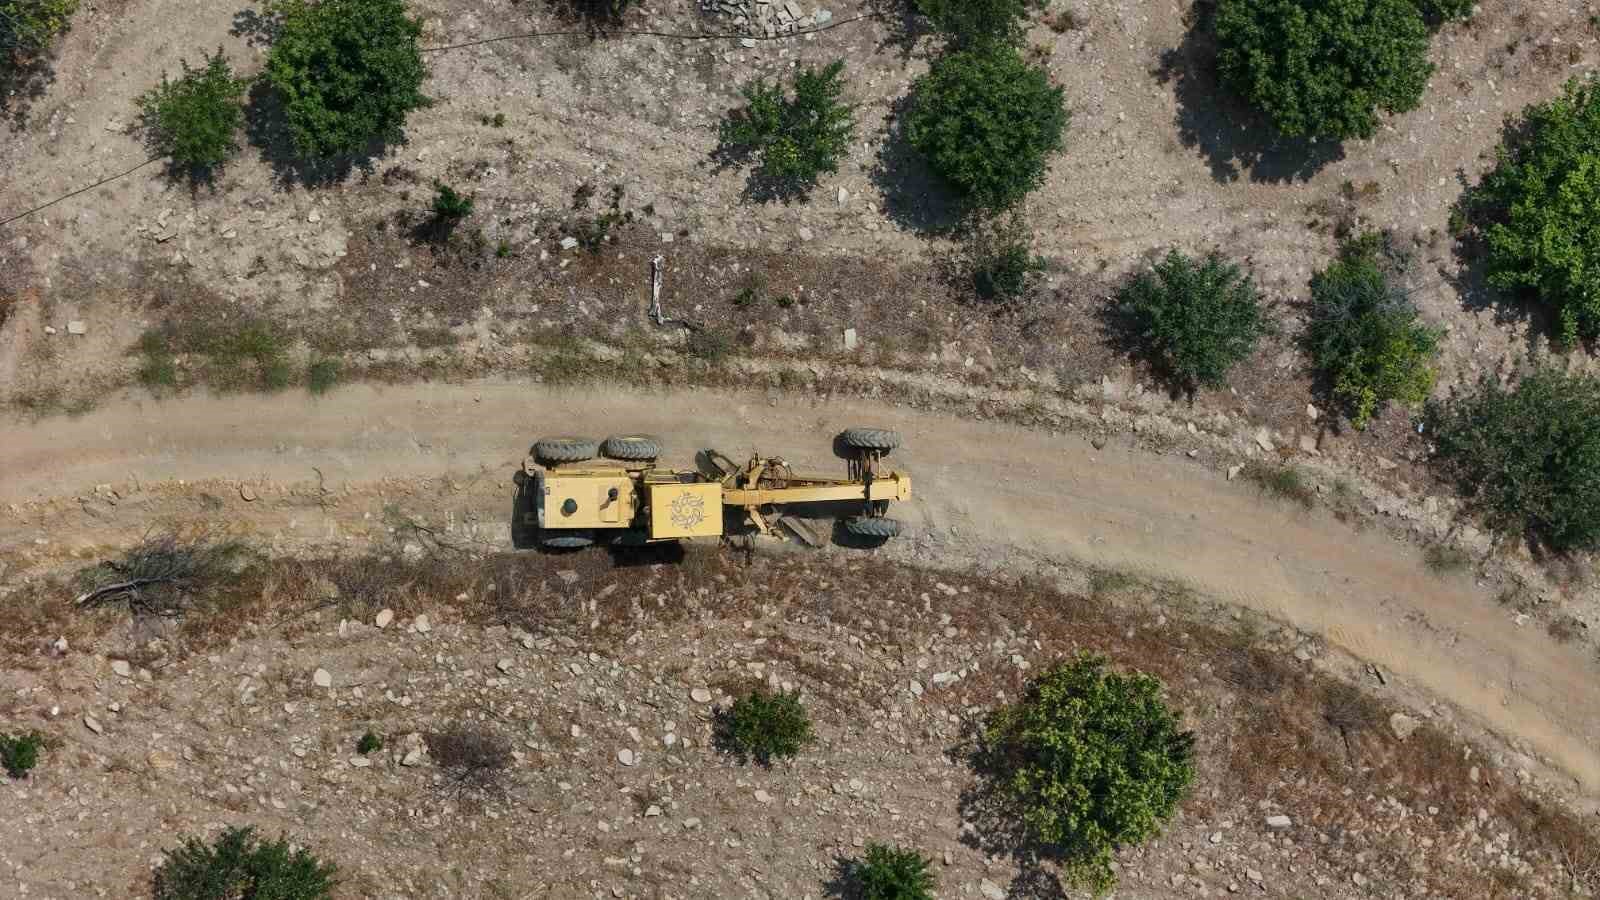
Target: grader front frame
{"points": [[574, 499]]}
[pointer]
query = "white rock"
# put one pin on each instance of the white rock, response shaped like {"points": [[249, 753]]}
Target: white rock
{"points": [[990, 890], [1278, 822], [121, 668], [1233, 472], [76, 326], [504, 665], [700, 695], [763, 796], [1403, 725], [93, 724], [322, 678], [652, 811], [1312, 412], [422, 624], [944, 679], [576, 731], [412, 758], [844, 196], [627, 757], [1264, 439], [385, 617], [805, 233], [569, 243], [916, 688], [360, 762], [314, 217], [850, 339]]}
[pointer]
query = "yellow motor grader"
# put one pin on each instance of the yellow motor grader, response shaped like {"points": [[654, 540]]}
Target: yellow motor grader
{"points": [[576, 492]]}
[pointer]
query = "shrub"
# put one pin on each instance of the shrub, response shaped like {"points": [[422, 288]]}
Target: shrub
{"points": [[322, 375], [1196, 318], [348, 71], [892, 873], [194, 119], [1364, 334], [28, 26], [449, 209], [987, 123], [980, 21], [369, 743], [20, 753], [1090, 760], [473, 757], [764, 725], [1441, 11], [1543, 232], [1284, 482], [237, 864], [1323, 68], [798, 139], [1528, 456], [998, 259]]}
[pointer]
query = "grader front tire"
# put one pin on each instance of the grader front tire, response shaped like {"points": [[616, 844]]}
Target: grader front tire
{"points": [[877, 528], [881, 440], [564, 449], [631, 448]]}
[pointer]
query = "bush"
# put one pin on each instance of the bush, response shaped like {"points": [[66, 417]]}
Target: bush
{"points": [[348, 71], [1543, 230], [238, 865], [1441, 11], [194, 119], [763, 725], [1323, 68], [987, 123], [892, 873], [980, 21], [369, 743], [1364, 334], [28, 26], [322, 375], [19, 754], [1091, 761], [1528, 456], [797, 139], [473, 757], [998, 259], [1196, 318]]}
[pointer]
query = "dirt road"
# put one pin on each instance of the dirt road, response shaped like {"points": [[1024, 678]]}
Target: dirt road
{"points": [[980, 484]]}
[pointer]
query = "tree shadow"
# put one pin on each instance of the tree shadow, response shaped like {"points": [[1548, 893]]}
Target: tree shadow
{"points": [[915, 197], [257, 29], [596, 16], [267, 129], [1231, 137], [23, 81], [903, 26], [845, 881]]}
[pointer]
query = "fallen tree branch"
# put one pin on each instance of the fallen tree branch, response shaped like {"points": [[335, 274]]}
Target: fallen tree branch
{"points": [[131, 586]]}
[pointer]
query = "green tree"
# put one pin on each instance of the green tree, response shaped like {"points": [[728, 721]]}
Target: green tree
{"points": [[1365, 335], [28, 26], [987, 123], [1541, 205], [1322, 69], [980, 21], [349, 71], [238, 865], [798, 138], [998, 259], [764, 725], [1091, 761], [892, 873], [1528, 456], [1196, 318], [20, 753], [194, 119]]}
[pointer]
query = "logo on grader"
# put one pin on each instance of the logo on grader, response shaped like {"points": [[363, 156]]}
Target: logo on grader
{"points": [[688, 510]]}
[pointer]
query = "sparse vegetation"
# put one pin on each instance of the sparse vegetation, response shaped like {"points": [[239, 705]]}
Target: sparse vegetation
{"points": [[988, 123], [1443, 559], [1090, 760], [195, 119], [796, 139], [892, 873], [369, 743], [1196, 319], [348, 73], [239, 865], [997, 259], [1536, 211], [472, 755], [449, 210], [593, 231], [20, 753], [1528, 456], [161, 575], [1322, 69], [970, 22], [765, 726], [322, 375], [709, 344], [1282, 481], [1365, 335], [27, 27], [232, 355]]}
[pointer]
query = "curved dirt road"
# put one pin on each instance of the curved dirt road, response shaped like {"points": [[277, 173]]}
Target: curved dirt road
{"points": [[985, 483]]}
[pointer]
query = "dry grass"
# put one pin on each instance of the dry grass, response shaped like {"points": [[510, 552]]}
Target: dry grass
{"points": [[1282, 481]]}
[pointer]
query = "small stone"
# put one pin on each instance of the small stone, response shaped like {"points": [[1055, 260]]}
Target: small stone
{"points": [[576, 730], [691, 823], [247, 493], [652, 811], [412, 759], [1278, 822], [1308, 444], [1216, 837], [121, 668], [322, 678], [1253, 875], [916, 688], [805, 233], [76, 326], [360, 762], [849, 339], [763, 796], [944, 679], [314, 217], [1302, 654], [93, 724], [385, 617], [49, 329], [823, 17], [700, 695], [990, 890], [504, 665], [1312, 412], [747, 43], [1473, 775], [1233, 472], [844, 196], [569, 243], [949, 858], [627, 757], [1264, 439], [422, 624], [159, 760], [1403, 725]]}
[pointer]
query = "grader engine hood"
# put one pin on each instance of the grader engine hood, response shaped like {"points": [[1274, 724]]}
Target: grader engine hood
{"points": [[680, 510], [588, 501]]}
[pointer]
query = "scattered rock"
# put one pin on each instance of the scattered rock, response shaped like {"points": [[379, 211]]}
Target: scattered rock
{"points": [[77, 326], [849, 339], [247, 493], [1264, 439], [412, 758], [322, 678], [944, 679], [1308, 444], [805, 233], [1302, 654], [504, 665], [385, 617], [422, 624], [1403, 725], [1233, 472], [360, 762], [990, 890], [700, 695], [763, 796], [1312, 412], [314, 217], [844, 196], [160, 761], [569, 243], [1386, 464], [627, 757], [121, 668], [652, 811], [1278, 822], [1253, 875], [93, 724]]}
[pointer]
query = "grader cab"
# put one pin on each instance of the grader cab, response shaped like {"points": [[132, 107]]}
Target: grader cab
{"points": [[577, 492]]}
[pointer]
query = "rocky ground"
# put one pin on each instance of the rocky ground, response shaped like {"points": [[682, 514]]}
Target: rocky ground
{"points": [[603, 677]]}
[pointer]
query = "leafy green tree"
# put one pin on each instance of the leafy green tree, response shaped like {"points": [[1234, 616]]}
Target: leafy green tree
{"points": [[798, 138], [1539, 203], [1365, 335], [194, 119], [238, 865], [987, 122], [20, 753], [28, 26], [1197, 318], [1528, 456], [892, 873], [1322, 69], [1091, 761], [764, 725], [349, 72], [980, 21]]}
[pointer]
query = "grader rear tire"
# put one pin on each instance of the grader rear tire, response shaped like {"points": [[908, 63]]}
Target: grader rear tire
{"points": [[631, 447], [564, 449], [880, 439], [875, 527]]}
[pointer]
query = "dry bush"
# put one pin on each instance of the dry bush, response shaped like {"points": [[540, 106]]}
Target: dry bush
{"points": [[471, 755]]}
